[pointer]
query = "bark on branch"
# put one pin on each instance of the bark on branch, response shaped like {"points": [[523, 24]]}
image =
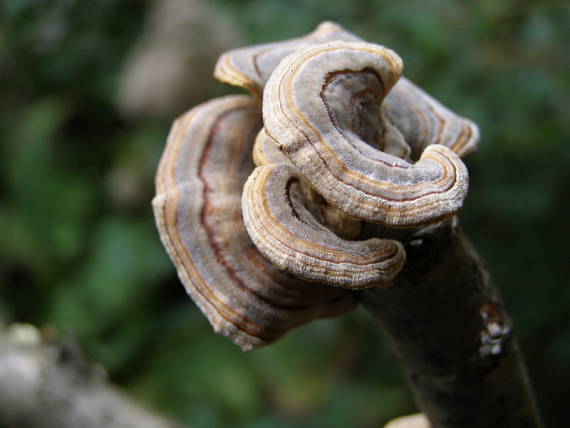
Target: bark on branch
{"points": [[49, 385], [451, 334]]}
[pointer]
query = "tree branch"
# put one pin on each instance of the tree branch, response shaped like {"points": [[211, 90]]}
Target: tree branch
{"points": [[48, 384], [452, 335]]}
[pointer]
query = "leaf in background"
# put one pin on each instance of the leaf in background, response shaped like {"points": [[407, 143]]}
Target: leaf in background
{"points": [[106, 300], [198, 375], [47, 202]]}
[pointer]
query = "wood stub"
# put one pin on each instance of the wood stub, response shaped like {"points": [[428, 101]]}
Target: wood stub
{"points": [[452, 336]]}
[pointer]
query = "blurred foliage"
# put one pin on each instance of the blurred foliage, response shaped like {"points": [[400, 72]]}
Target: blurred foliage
{"points": [[79, 252]]}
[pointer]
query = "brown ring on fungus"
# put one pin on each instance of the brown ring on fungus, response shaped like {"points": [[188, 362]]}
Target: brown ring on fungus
{"points": [[250, 67], [322, 107], [424, 121], [419, 117], [265, 152], [290, 237], [198, 214]]}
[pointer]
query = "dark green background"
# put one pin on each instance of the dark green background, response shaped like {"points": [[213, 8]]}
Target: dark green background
{"points": [[79, 255]]}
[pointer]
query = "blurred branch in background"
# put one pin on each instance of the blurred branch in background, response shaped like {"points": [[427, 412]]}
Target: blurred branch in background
{"points": [[79, 252], [170, 67], [47, 383]]}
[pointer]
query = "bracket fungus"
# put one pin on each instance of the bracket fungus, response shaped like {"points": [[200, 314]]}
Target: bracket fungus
{"points": [[261, 199], [335, 182], [197, 209]]}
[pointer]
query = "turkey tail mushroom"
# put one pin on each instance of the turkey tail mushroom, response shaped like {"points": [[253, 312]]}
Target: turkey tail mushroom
{"points": [[197, 210], [290, 237], [322, 107]]}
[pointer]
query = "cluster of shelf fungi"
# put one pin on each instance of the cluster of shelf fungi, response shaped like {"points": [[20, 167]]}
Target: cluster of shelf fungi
{"points": [[336, 182]]}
